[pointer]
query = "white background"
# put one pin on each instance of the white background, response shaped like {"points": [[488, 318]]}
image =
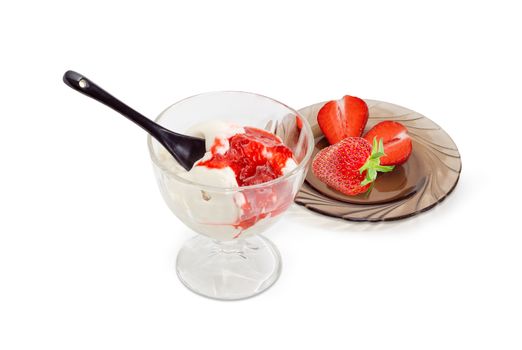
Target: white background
{"points": [[87, 245]]}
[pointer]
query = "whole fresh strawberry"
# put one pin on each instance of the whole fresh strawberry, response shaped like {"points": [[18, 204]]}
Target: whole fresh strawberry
{"points": [[351, 165], [343, 118], [397, 142]]}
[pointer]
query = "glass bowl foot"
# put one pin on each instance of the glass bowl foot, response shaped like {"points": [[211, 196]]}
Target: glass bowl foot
{"points": [[228, 270]]}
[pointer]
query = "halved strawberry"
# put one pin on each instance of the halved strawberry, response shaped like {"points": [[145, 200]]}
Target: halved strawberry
{"points": [[343, 118], [397, 142], [350, 166]]}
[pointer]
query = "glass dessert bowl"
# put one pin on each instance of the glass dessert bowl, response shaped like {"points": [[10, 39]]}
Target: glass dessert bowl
{"points": [[229, 259]]}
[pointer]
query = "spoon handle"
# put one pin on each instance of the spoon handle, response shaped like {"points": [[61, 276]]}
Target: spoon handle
{"points": [[82, 84]]}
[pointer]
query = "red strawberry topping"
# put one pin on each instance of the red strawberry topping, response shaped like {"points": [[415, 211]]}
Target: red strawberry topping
{"points": [[256, 156]]}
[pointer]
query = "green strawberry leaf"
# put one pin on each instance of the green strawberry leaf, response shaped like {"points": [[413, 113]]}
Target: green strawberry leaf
{"points": [[381, 147], [385, 168], [373, 164], [366, 181]]}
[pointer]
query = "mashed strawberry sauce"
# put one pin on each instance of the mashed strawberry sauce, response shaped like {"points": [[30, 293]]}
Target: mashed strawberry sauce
{"points": [[256, 156]]}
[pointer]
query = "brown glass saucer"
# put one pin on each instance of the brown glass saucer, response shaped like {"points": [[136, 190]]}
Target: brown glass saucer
{"points": [[429, 175]]}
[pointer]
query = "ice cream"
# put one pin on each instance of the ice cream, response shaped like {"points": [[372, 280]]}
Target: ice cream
{"points": [[236, 157]]}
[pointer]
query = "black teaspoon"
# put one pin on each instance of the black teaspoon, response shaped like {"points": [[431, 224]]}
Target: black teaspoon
{"points": [[185, 149]]}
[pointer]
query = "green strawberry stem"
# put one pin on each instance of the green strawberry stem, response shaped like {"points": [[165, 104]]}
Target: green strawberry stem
{"points": [[373, 164]]}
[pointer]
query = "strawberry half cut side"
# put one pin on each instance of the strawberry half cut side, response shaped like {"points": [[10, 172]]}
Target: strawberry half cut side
{"points": [[343, 118], [397, 142]]}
